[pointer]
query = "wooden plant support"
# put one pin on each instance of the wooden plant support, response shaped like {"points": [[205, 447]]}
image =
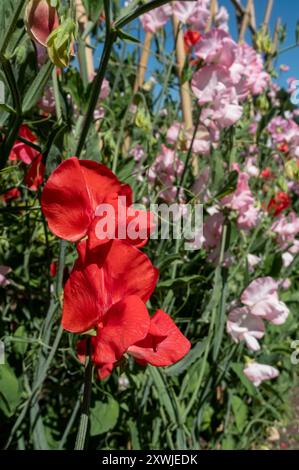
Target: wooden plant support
{"points": [[245, 21], [185, 91], [82, 20], [213, 10], [145, 52]]}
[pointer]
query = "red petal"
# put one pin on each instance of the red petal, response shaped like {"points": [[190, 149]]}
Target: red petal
{"points": [[130, 272], [164, 345], [35, 175], [85, 296], [101, 278], [104, 371], [21, 151], [100, 181], [125, 323], [66, 203], [144, 225]]}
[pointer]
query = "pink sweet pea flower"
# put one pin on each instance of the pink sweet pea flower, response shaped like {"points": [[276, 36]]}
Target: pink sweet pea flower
{"points": [[222, 18], [261, 296], [155, 19], [286, 228], [258, 373], [183, 10], [212, 230], [209, 81], [243, 326], [200, 15], [217, 47], [242, 201]]}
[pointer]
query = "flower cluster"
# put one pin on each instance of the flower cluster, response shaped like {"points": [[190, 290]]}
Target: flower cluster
{"points": [[245, 323], [195, 14], [112, 279], [230, 73]]}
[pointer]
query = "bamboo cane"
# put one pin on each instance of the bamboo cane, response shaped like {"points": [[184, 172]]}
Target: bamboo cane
{"points": [[267, 15], [245, 21], [184, 87], [240, 12], [252, 16], [185, 92], [82, 20], [143, 62], [213, 11]]}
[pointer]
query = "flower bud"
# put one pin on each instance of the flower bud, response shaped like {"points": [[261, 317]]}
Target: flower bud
{"points": [[60, 43], [40, 20]]}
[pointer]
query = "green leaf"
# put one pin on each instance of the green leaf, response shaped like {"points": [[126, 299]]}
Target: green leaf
{"points": [[103, 416], [93, 9], [7, 108], [20, 347], [188, 360], [230, 186], [9, 390], [127, 37], [180, 281], [228, 443], [162, 392], [206, 421], [134, 434], [240, 411], [37, 87], [238, 370]]}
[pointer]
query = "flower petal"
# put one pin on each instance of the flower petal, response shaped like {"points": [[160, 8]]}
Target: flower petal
{"points": [[125, 323], [41, 19], [258, 290], [66, 203], [101, 278], [100, 181], [164, 345]]}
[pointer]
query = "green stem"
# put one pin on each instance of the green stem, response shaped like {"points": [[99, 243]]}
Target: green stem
{"points": [[12, 26], [111, 36], [84, 419], [57, 96], [9, 75], [217, 282]]}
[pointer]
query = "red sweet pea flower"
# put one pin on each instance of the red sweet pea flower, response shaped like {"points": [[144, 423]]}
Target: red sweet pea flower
{"points": [[53, 269], [21, 151], [11, 195], [163, 345], [266, 174], [284, 148], [100, 279], [35, 175], [156, 341], [107, 291], [74, 199], [191, 38], [278, 204]]}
